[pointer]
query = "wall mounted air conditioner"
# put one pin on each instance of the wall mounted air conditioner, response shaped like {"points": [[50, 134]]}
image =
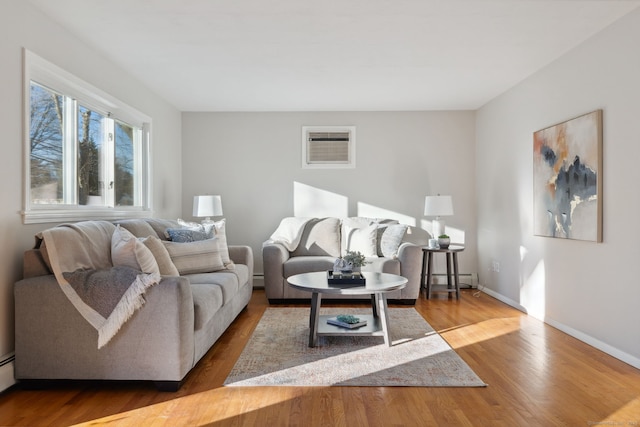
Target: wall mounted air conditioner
{"points": [[328, 147]]}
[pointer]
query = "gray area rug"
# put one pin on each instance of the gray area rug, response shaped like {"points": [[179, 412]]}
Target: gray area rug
{"points": [[278, 354]]}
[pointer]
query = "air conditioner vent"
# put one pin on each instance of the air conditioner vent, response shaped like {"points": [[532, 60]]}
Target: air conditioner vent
{"points": [[328, 147], [329, 136]]}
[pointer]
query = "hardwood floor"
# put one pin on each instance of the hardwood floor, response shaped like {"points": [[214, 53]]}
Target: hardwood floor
{"points": [[536, 376]]}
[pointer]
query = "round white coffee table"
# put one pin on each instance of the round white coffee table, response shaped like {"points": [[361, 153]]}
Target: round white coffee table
{"points": [[377, 286]]}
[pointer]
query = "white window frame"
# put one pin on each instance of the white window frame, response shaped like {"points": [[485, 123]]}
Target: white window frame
{"points": [[45, 73], [351, 164]]}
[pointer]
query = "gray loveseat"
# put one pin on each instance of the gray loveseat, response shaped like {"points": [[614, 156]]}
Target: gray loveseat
{"points": [[302, 245], [182, 316]]}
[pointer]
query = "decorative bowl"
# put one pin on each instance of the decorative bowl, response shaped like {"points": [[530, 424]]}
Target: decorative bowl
{"points": [[444, 242]]}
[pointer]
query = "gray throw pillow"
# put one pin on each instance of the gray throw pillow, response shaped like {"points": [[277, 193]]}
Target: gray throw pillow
{"points": [[391, 239]]}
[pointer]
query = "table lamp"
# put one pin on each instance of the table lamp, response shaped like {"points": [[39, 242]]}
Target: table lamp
{"points": [[438, 206], [207, 206]]}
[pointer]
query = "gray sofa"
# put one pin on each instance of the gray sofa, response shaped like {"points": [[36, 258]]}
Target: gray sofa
{"points": [[181, 318], [320, 241]]}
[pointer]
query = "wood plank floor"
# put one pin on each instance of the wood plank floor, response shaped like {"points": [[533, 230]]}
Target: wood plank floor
{"points": [[537, 376]]}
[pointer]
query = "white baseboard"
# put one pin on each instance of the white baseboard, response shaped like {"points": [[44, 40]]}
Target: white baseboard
{"points": [[467, 280], [504, 299], [7, 372], [258, 281], [593, 342]]}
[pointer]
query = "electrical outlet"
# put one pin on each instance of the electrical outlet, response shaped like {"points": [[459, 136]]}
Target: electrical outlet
{"points": [[495, 266]]}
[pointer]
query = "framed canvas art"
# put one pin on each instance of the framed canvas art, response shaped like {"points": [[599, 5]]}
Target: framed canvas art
{"points": [[567, 179]]}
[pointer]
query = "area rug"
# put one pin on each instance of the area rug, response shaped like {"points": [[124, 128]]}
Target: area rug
{"points": [[278, 354]]}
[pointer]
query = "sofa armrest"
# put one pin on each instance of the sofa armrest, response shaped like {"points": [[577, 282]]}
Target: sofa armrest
{"points": [[34, 264], [241, 254], [53, 341], [410, 256], [274, 256]]}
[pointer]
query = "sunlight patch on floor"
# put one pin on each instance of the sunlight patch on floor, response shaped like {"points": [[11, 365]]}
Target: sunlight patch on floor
{"points": [[369, 360], [477, 332], [196, 409], [628, 415]]}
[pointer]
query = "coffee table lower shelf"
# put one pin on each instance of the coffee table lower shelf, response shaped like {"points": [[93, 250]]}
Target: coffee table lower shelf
{"points": [[372, 328]]}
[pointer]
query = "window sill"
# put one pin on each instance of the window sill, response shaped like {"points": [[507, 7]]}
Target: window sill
{"points": [[70, 215]]}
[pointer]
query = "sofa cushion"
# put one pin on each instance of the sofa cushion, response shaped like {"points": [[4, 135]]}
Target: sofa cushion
{"points": [[160, 226], [166, 266], [195, 257], [320, 237], [242, 272], [226, 280], [207, 300], [306, 264], [127, 250], [383, 265]]}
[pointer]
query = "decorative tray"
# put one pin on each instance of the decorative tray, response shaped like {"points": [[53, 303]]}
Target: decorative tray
{"points": [[345, 279]]}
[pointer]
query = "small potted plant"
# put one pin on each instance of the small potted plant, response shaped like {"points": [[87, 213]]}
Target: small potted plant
{"points": [[444, 241], [354, 260]]}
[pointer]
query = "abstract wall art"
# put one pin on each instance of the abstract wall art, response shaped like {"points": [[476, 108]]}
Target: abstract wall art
{"points": [[567, 179]]}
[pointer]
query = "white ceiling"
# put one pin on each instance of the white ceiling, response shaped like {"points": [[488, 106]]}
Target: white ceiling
{"points": [[332, 55]]}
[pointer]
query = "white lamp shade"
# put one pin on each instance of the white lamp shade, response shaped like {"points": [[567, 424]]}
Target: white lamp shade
{"points": [[438, 206], [207, 206]]}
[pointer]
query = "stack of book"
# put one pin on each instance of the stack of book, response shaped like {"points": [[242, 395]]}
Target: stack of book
{"points": [[346, 321]]}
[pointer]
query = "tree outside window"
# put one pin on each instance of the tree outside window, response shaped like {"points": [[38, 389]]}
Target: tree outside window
{"points": [[105, 150]]}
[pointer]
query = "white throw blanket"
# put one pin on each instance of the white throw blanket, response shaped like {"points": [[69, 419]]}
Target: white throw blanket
{"points": [[106, 296], [289, 232]]}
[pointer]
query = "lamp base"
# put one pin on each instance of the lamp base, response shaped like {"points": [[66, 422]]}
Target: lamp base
{"points": [[208, 224], [438, 227]]}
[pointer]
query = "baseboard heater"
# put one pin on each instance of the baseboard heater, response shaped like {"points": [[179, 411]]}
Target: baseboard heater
{"points": [[467, 280], [258, 281], [7, 371]]}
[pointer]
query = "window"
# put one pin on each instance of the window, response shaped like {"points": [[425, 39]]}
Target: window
{"points": [[87, 154], [328, 147]]}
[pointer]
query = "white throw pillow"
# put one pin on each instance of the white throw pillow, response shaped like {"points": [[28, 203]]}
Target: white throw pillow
{"points": [[127, 250], [221, 235], [202, 256], [346, 226], [219, 230], [361, 240], [160, 253], [206, 227]]}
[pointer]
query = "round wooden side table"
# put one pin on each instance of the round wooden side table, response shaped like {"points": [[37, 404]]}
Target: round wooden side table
{"points": [[453, 281]]}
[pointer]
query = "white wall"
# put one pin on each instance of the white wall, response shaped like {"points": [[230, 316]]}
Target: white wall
{"points": [[587, 289], [254, 161], [22, 26]]}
